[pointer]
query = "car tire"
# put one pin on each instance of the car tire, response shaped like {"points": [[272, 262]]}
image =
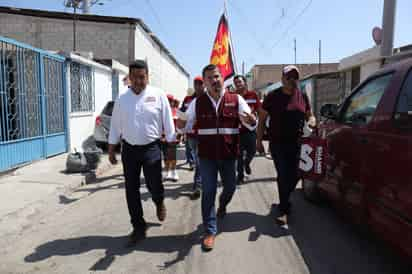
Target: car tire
{"points": [[311, 191]]}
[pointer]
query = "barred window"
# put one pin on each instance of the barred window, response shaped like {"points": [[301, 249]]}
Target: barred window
{"points": [[81, 91]]}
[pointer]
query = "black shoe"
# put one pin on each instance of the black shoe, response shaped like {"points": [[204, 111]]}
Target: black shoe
{"points": [[240, 180], [195, 194], [221, 212], [248, 170], [135, 237], [161, 211], [277, 211]]}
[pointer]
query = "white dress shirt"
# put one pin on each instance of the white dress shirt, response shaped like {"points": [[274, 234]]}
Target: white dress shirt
{"points": [[191, 111], [141, 118]]}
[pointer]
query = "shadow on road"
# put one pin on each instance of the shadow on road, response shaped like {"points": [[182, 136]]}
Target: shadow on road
{"points": [[115, 246], [182, 244]]}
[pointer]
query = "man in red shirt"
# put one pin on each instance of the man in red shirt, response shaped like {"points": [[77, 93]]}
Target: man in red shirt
{"points": [[191, 137], [288, 110], [247, 134]]}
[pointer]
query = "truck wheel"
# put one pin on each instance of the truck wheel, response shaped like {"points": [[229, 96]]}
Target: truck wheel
{"points": [[311, 191]]}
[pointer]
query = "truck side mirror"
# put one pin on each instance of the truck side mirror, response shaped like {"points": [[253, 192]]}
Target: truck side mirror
{"points": [[329, 111]]}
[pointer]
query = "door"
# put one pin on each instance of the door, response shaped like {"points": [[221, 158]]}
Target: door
{"points": [[390, 199], [347, 146]]}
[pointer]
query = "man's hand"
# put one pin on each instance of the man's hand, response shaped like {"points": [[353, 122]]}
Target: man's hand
{"points": [[112, 154], [312, 121], [248, 118], [259, 146], [178, 137], [181, 124]]}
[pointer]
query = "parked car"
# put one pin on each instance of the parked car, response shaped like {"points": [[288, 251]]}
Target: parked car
{"points": [[369, 156], [102, 125]]}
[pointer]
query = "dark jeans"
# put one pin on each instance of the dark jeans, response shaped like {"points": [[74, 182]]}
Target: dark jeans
{"points": [[208, 171], [134, 158], [247, 151], [189, 152], [197, 181], [286, 159]]}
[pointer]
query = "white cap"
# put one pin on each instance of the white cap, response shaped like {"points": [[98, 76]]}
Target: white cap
{"points": [[290, 68]]}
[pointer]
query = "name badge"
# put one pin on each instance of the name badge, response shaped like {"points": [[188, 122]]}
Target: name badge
{"points": [[230, 104], [150, 99]]}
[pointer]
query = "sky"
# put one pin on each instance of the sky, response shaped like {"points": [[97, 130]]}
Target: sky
{"points": [[263, 31]]}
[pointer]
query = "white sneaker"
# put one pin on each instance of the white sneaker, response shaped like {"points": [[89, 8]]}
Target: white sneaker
{"points": [[174, 176], [167, 175]]}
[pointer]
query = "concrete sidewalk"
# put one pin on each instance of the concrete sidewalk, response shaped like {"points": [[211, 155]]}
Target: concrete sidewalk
{"points": [[27, 190]]}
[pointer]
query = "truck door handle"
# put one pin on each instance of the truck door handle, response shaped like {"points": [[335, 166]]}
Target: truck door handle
{"points": [[363, 140]]}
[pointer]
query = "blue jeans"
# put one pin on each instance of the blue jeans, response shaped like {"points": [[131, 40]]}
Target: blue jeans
{"points": [[197, 181], [286, 159], [208, 171], [247, 151], [189, 152]]}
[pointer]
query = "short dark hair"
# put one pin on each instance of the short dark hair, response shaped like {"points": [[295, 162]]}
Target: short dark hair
{"points": [[241, 77], [139, 64], [208, 68]]}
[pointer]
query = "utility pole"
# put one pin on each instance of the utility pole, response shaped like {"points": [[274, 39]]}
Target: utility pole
{"points": [[295, 49], [320, 56], [75, 5], [388, 27], [86, 6], [243, 68]]}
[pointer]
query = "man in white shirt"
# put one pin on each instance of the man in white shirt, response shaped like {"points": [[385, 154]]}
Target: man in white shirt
{"points": [[217, 115], [138, 120]]}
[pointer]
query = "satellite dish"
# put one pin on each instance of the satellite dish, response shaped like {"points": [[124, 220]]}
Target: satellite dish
{"points": [[377, 35]]}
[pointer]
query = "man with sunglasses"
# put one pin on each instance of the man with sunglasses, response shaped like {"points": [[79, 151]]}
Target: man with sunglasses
{"points": [[288, 110]]}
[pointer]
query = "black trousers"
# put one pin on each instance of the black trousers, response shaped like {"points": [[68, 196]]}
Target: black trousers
{"points": [[134, 158], [247, 151], [286, 159]]}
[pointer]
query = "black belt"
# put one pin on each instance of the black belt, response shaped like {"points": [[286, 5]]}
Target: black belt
{"points": [[141, 146]]}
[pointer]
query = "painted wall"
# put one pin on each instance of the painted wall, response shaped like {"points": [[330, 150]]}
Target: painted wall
{"points": [[122, 88], [81, 124], [163, 73]]}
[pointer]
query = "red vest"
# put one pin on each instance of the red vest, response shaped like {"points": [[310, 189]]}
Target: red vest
{"points": [[253, 101], [218, 133]]}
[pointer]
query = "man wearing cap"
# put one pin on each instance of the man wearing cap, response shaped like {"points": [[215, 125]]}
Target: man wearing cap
{"points": [[247, 134], [288, 110], [191, 137], [139, 117], [217, 114]]}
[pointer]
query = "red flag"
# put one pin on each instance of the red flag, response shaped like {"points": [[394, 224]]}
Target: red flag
{"points": [[222, 52]]}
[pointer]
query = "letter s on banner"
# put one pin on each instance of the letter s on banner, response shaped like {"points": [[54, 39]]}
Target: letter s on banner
{"points": [[306, 162], [312, 158]]}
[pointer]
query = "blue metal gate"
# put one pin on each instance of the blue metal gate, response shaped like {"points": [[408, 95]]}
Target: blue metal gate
{"points": [[32, 104]]}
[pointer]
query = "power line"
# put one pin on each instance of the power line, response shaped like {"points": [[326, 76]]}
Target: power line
{"points": [[246, 22], [156, 16], [295, 21]]}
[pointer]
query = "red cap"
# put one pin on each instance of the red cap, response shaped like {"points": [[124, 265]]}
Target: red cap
{"points": [[170, 97], [198, 78]]}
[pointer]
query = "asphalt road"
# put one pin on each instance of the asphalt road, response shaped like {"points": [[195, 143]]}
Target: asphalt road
{"points": [[87, 233]]}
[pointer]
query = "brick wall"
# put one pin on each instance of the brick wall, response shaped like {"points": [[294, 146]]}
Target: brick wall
{"points": [[105, 40]]}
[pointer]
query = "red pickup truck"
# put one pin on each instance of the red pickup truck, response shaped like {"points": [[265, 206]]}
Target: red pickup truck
{"points": [[368, 174]]}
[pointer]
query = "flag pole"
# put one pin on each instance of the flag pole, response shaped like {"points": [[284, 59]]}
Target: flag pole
{"points": [[230, 35]]}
